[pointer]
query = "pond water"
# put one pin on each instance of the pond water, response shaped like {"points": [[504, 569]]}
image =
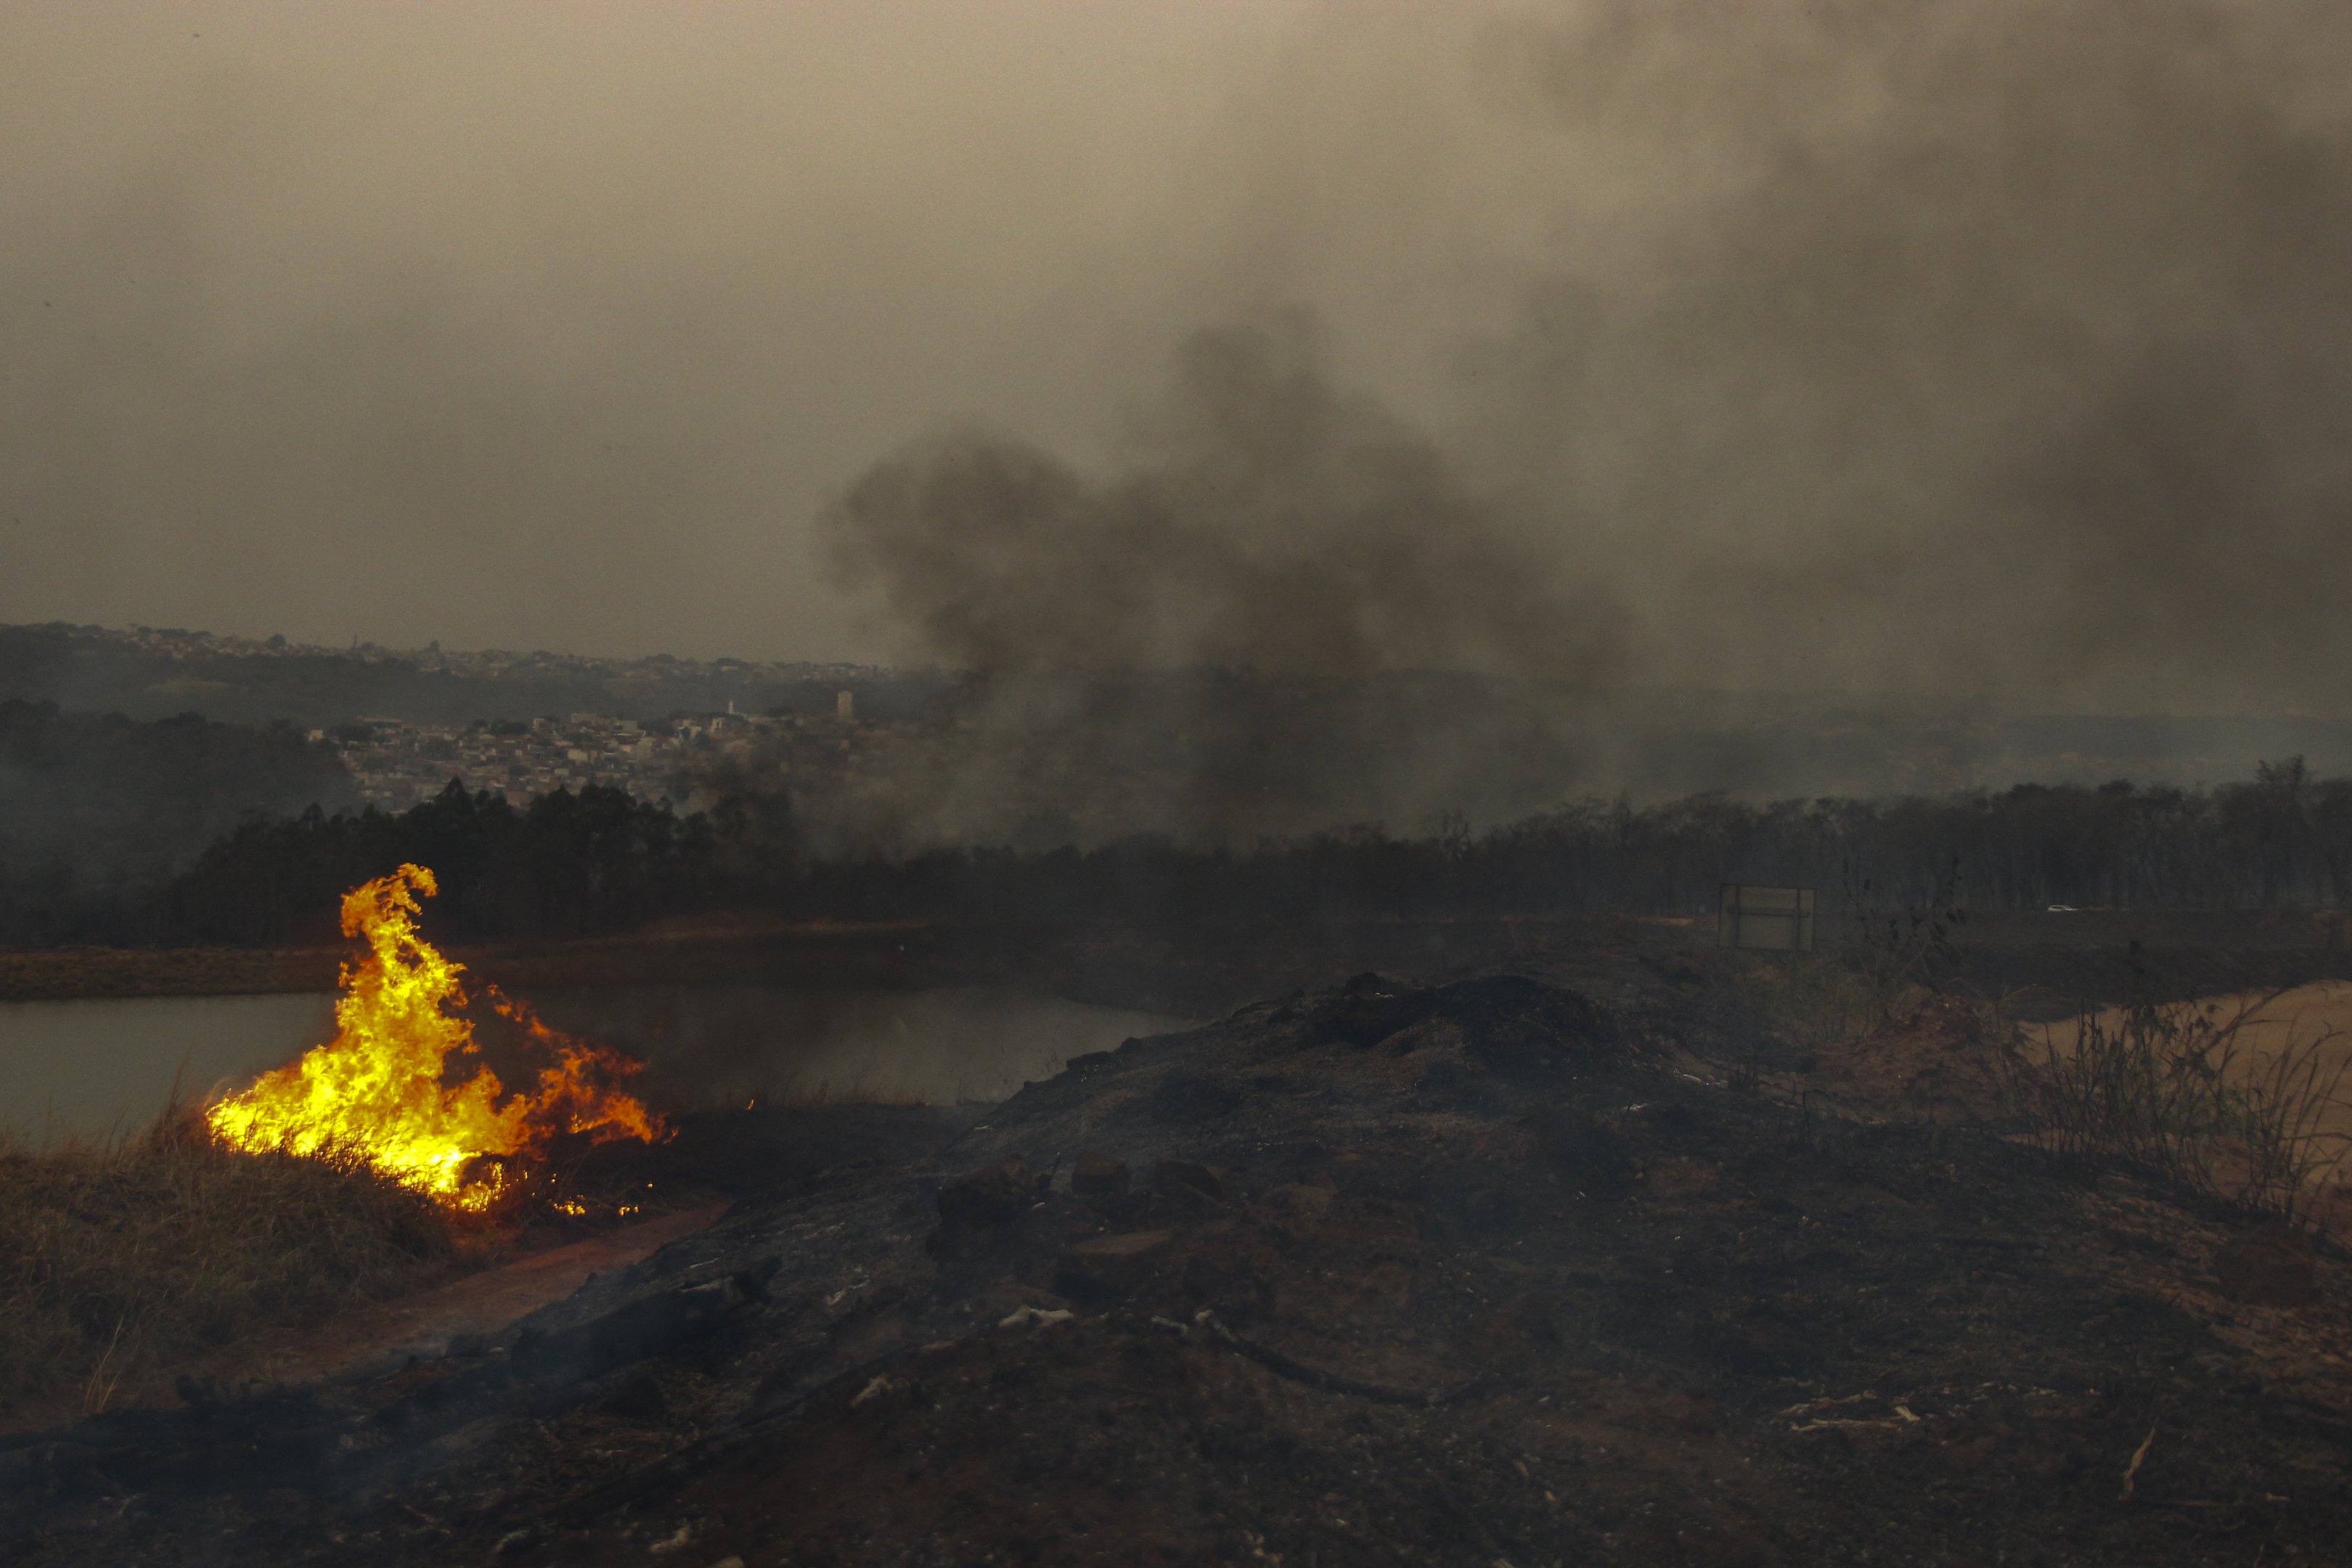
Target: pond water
{"points": [[92, 1068], [97, 1067]]}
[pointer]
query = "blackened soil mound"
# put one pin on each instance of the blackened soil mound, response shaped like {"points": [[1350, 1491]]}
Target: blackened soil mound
{"points": [[1467, 1274], [1510, 1024]]}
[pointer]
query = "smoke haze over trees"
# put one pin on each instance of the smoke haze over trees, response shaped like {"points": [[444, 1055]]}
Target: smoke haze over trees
{"points": [[2283, 839], [184, 830], [96, 811]]}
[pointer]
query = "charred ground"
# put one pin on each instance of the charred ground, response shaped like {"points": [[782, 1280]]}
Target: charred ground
{"points": [[1563, 1266]]}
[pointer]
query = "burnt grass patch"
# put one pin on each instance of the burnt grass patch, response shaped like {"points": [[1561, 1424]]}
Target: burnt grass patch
{"points": [[1488, 1271]]}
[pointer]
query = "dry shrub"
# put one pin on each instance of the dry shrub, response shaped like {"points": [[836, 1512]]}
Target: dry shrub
{"points": [[1898, 951], [121, 1260], [2174, 1090], [1811, 1000]]}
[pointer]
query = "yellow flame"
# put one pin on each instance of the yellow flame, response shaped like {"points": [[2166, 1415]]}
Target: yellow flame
{"points": [[376, 1090]]}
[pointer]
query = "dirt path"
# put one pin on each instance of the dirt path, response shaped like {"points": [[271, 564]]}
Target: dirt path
{"points": [[425, 1324], [422, 1325]]}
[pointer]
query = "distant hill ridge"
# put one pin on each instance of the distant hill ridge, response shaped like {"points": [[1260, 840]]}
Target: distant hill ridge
{"points": [[151, 673]]}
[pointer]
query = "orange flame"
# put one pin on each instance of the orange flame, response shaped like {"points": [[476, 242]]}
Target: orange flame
{"points": [[376, 1089]]}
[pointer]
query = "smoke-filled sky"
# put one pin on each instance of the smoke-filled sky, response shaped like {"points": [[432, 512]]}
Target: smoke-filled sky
{"points": [[1965, 346]]}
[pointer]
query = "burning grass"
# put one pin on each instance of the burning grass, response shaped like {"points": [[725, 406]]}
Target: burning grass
{"points": [[121, 1261], [380, 1093], [348, 1175]]}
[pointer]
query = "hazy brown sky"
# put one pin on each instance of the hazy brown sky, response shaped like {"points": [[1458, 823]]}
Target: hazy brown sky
{"points": [[554, 324], [1964, 344]]}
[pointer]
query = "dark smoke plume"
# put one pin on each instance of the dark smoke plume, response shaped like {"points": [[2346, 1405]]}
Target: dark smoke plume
{"points": [[1162, 644], [1270, 521]]}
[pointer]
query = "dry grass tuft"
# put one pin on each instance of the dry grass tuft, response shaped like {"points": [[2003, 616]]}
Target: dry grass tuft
{"points": [[1811, 1000], [2175, 1090], [121, 1260]]}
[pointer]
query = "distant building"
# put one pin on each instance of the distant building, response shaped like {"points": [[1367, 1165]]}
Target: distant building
{"points": [[845, 705]]}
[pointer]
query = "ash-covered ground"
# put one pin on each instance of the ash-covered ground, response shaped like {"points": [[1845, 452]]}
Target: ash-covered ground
{"points": [[1571, 1266]]}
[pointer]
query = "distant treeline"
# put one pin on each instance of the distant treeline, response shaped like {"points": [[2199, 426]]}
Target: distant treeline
{"points": [[566, 865], [599, 861]]}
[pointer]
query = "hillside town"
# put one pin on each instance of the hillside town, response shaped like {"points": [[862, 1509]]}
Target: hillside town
{"points": [[396, 764], [900, 783]]}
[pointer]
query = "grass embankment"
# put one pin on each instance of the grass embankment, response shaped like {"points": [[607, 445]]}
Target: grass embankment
{"points": [[119, 1261]]}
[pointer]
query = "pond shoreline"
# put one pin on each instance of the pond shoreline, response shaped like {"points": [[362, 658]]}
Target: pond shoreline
{"points": [[99, 1067], [1204, 967]]}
